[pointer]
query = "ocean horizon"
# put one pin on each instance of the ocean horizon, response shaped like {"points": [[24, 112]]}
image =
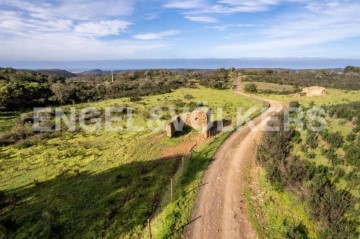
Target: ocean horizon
{"points": [[139, 64]]}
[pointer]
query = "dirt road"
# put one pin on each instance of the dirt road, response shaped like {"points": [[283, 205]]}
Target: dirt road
{"points": [[220, 203]]}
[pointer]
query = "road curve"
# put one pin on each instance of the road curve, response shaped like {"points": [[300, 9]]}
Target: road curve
{"points": [[220, 203]]}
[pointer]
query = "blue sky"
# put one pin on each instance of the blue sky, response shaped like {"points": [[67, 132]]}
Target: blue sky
{"points": [[72, 30]]}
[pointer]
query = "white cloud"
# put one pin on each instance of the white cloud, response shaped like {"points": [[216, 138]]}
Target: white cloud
{"points": [[227, 6], [12, 23], [68, 30], [327, 24], [156, 36], [225, 27], [102, 28], [188, 4], [73, 9], [204, 19], [324, 24], [151, 16], [74, 48]]}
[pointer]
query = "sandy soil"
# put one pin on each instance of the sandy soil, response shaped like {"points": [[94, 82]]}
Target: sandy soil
{"points": [[220, 209]]}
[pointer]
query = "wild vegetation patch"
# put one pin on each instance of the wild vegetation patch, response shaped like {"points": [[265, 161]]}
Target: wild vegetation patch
{"points": [[332, 206]]}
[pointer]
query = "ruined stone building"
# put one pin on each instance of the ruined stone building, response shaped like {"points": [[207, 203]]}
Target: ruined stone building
{"points": [[313, 91], [199, 119]]}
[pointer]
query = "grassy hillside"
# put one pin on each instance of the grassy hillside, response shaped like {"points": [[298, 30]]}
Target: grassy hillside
{"points": [[103, 184]]}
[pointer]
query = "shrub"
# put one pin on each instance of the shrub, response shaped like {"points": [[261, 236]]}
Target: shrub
{"points": [[250, 88], [297, 138], [135, 99], [339, 173], [334, 139], [330, 205], [188, 97], [332, 156], [298, 232], [311, 140], [352, 155], [351, 137], [294, 104], [312, 155], [356, 129]]}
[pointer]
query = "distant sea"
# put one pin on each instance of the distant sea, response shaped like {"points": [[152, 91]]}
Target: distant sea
{"points": [[131, 64]]}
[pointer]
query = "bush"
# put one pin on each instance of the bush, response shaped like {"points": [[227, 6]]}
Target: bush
{"points": [[297, 137], [339, 173], [294, 104], [135, 99], [330, 206], [351, 137], [311, 155], [250, 88], [311, 140], [332, 156], [298, 232], [334, 139], [352, 155], [188, 97]]}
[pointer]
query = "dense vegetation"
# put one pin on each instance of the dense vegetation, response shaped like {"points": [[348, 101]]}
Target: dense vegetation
{"points": [[349, 80], [333, 208], [24, 89]]}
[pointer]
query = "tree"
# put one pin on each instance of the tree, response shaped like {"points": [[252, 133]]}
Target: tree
{"points": [[61, 92]]}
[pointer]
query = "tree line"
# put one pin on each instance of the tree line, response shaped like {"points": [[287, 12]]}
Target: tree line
{"points": [[347, 80], [26, 89]]}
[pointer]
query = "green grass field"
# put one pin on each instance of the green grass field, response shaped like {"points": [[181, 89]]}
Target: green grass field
{"points": [[7, 120], [107, 184]]}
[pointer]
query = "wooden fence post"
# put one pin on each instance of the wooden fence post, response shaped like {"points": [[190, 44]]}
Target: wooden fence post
{"points": [[171, 189], [149, 227]]}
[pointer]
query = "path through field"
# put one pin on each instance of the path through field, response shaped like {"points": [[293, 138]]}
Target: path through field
{"points": [[220, 203]]}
